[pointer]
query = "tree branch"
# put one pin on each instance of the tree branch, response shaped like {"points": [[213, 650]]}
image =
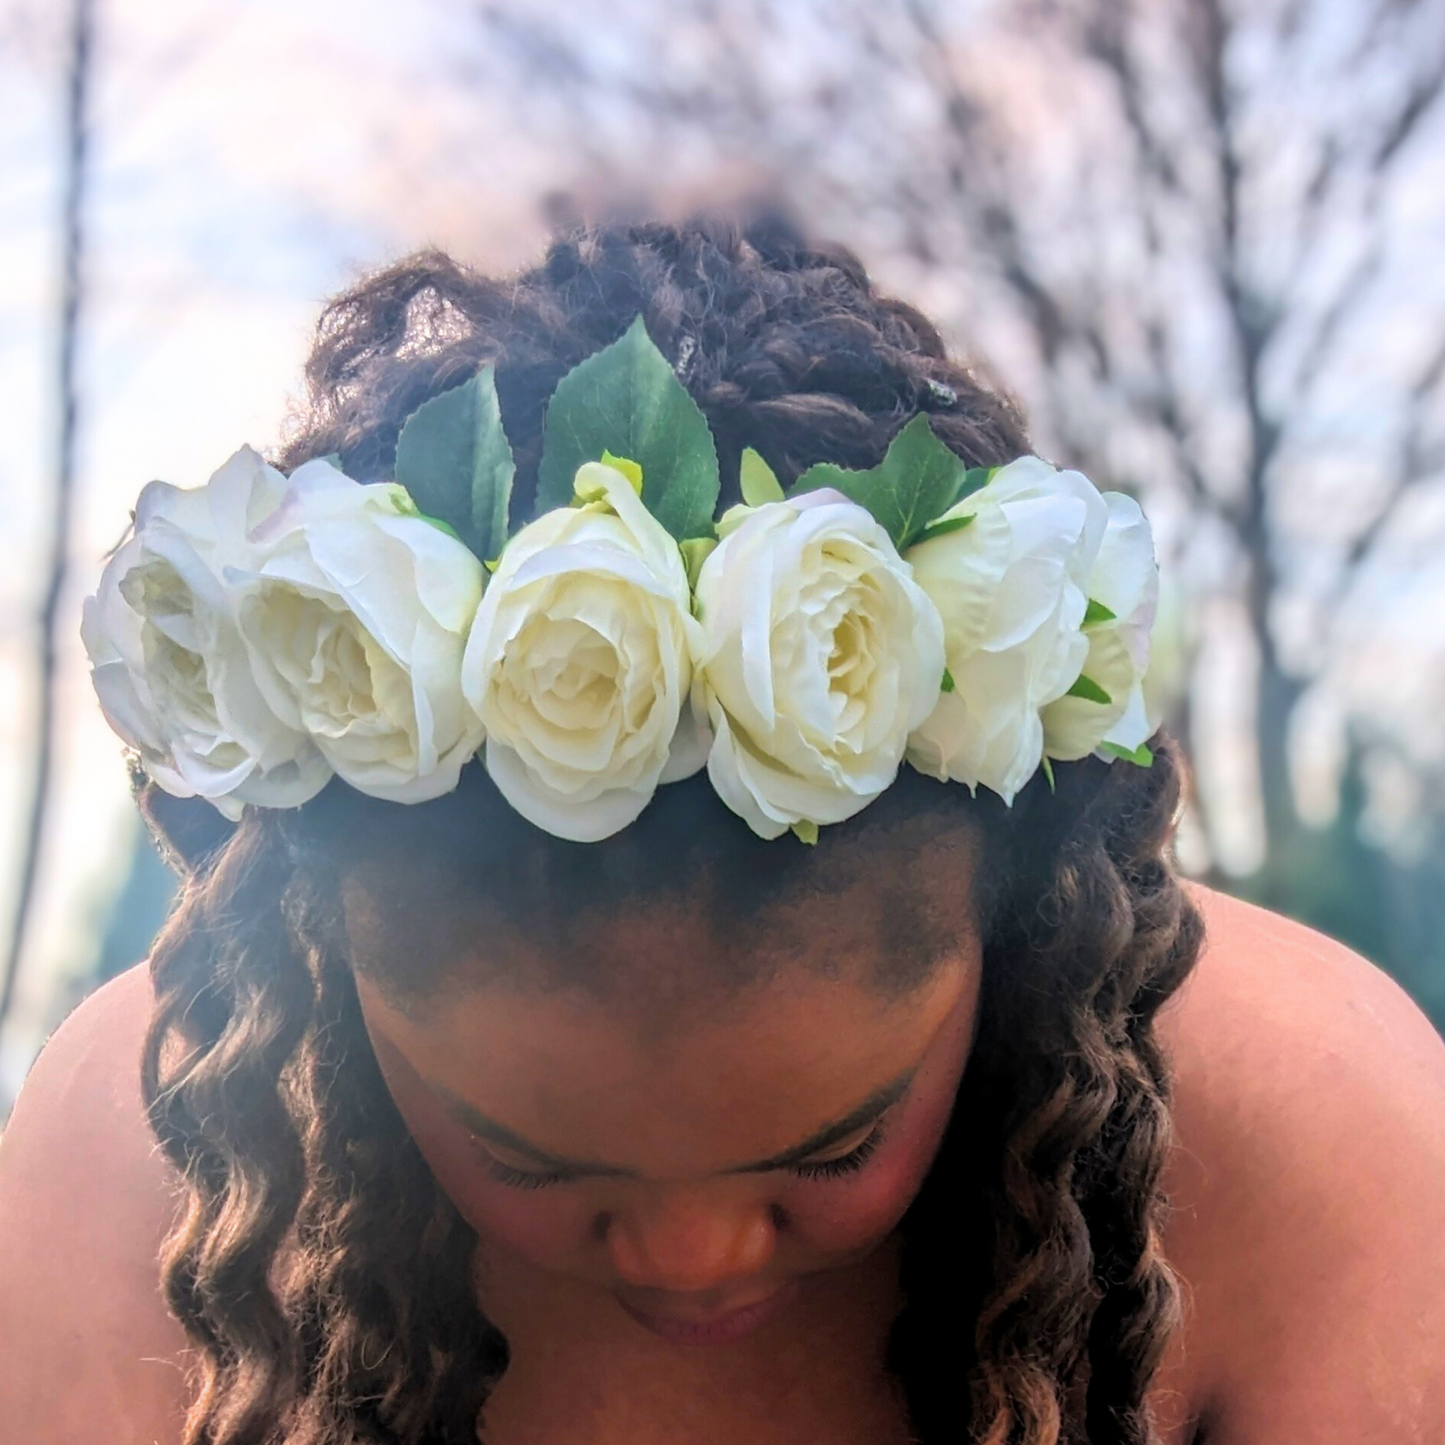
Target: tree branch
{"points": [[73, 238]]}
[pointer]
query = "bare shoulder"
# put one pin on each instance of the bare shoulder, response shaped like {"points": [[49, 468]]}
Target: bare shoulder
{"points": [[85, 1200], [1308, 1182]]}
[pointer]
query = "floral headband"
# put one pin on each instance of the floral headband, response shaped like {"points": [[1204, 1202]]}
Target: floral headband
{"points": [[252, 637]]}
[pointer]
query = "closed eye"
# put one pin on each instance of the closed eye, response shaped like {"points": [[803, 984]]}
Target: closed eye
{"points": [[818, 1169], [845, 1164], [524, 1178]]}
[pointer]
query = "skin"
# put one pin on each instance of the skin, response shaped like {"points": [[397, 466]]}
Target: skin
{"points": [[663, 1193], [1308, 1181], [670, 1223], [651, 1163]]}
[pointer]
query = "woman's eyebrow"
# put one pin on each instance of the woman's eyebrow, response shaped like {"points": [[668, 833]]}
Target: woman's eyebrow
{"points": [[478, 1123]]}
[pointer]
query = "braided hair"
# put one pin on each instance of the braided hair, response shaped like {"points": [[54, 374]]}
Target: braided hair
{"points": [[318, 1269]]}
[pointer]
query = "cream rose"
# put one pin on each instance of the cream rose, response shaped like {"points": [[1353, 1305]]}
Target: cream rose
{"points": [[169, 665], [1010, 587], [1125, 579], [580, 661], [820, 656], [356, 610]]}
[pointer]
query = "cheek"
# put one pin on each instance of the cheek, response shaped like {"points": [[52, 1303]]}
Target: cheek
{"points": [[858, 1210], [544, 1225], [547, 1227], [839, 1216]]}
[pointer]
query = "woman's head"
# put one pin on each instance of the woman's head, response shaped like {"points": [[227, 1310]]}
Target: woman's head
{"points": [[597, 1047], [401, 1022]]}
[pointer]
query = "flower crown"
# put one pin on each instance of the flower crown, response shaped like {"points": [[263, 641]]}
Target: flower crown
{"points": [[252, 637]]}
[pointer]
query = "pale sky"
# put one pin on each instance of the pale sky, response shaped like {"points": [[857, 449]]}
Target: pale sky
{"points": [[251, 160]]}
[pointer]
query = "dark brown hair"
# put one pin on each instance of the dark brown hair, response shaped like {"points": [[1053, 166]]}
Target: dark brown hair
{"points": [[318, 1268]]}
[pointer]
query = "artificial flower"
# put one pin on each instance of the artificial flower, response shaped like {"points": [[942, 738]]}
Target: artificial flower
{"points": [[170, 668], [355, 610], [1011, 589], [1124, 582], [579, 663], [821, 655]]}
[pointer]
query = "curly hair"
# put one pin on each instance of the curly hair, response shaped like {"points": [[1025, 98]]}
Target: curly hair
{"points": [[318, 1268]]}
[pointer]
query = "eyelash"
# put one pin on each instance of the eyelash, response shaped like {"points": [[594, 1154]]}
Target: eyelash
{"points": [[521, 1178], [848, 1163]]}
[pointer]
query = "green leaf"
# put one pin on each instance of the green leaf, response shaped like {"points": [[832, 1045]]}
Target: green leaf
{"points": [[974, 479], [806, 831], [1140, 755], [947, 525], [441, 526], [1048, 768], [732, 519], [1089, 690], [917, 481], [695, 551], [1097, 612], [626, 400], [627, 467], [948, 684], [455, 460], [758, 482], [406, 506]]}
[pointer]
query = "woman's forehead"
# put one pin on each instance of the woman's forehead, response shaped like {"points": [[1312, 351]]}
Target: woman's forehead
{"points": [[580, 1079], [886, 917]]}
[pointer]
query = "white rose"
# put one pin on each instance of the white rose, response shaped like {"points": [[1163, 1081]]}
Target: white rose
{"points": [[356, 611], [170, 668], [580, 661], [1125, 578], [1010, 587], [821, 655]]}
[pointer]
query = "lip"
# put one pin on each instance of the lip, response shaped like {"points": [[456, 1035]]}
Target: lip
{"points": [[713, 1329]]}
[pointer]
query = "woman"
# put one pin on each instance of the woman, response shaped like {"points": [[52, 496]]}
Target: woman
{"points": [[496, 1104]]}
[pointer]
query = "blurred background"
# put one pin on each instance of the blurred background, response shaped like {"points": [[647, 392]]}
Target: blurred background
{"points": [[1203, 241]]}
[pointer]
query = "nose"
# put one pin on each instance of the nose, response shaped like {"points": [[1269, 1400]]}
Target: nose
{"points": [[680, 1240]]}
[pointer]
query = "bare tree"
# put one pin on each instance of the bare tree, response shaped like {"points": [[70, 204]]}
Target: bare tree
{"points": [[77, 146], [1176, 226]]}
